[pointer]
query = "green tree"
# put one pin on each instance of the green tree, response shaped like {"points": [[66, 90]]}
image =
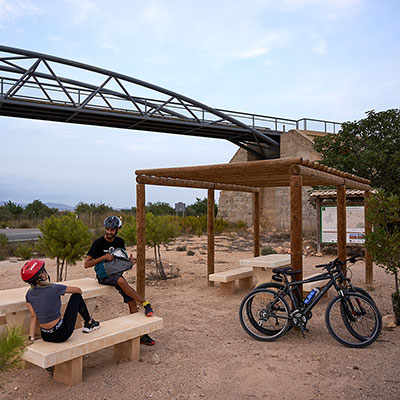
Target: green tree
{"points": [[369, 148], [5, 215], [66, 239], [128, 231], [159, 208], [199, 208], [85, 208], [15, 209], [160, 230], [384, 242], [37, 209]]}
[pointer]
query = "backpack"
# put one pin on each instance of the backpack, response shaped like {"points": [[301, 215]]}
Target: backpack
{"points": [[120, 263]]}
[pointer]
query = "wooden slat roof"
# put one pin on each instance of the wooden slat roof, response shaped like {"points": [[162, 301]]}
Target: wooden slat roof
{"points": [[264, 173]]}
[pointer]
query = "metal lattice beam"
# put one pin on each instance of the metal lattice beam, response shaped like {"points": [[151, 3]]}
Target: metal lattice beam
{"points": [[40, 86]]}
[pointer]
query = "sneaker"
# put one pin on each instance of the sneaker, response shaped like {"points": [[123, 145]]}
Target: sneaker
{"points": [[148, 311], [147, 340], [90, 326]]}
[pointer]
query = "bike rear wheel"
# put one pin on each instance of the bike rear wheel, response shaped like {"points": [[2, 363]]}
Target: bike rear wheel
{"points": [[353, 320], [264, 315]]}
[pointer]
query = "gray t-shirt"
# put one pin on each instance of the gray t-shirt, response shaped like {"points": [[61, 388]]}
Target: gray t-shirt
{"points": [[46, 301]]}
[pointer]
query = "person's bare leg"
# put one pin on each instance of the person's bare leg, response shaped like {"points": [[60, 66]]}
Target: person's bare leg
{"points": [[132, 307], [123, 284]]}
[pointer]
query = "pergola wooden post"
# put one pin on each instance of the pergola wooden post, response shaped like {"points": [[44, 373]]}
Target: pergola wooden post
{"points": [[369, 272], [341, 224], [296, 222], [141, 239], [256, 223], [210, 235]]}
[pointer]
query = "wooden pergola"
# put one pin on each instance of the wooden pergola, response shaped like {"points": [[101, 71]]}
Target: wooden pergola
{"points": [[250, 177]]}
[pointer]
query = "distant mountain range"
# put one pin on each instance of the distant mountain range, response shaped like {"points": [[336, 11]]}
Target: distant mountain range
{"points": [[59, 206]]}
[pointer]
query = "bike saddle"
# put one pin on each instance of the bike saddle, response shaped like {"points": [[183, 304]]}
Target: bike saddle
{"points": [[285, 270]]}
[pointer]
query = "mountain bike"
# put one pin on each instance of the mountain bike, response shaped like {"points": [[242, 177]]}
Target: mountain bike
{"points": [[352, 317]]}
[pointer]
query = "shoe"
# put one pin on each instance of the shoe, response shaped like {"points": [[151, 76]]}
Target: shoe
{"points": [[148, 311], [147, 340], [90, 326]]}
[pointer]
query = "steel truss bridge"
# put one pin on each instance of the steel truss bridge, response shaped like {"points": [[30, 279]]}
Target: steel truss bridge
{"points": [[41, 86]]}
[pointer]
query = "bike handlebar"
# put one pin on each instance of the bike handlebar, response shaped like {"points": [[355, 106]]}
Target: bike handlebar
{"points": [[335, 262]]}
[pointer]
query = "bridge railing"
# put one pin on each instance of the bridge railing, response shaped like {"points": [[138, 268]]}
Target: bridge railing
{"points": [[40, 91]]}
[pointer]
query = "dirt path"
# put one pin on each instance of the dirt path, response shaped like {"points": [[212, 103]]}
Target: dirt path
{"points": [[203, 353]]}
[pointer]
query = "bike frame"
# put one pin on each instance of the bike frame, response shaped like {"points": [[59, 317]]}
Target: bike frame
{"points": [[291, 287]]}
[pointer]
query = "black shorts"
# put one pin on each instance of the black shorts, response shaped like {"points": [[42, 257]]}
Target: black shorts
{"points": [[112, 281]]}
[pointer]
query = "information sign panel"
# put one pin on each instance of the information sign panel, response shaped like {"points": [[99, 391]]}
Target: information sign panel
{"points": [[355, 226]]}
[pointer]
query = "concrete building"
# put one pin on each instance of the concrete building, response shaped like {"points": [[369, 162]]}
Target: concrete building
{"points": [[275, 202]]}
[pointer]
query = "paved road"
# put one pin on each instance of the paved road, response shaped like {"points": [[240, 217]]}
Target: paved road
{"points": [[17, 235]]}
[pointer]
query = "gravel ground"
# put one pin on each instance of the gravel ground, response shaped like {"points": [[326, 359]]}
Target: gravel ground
{"points": [[203, 352]]}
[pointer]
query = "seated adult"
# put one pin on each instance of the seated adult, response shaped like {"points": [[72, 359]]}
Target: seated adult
{"points": [[99, 253], [44, 304]]}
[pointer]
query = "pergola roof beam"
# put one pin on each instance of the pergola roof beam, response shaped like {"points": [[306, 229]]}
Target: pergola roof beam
{"points": [[154, 180]]}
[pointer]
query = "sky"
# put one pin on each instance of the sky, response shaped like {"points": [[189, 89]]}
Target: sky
{"points": [[324, 59]]}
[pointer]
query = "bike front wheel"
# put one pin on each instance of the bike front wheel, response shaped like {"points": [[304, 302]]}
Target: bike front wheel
{"points": [[353, 320], [264, 315]]}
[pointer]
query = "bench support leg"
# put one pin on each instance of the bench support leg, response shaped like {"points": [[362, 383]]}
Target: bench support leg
{"points": [[227, 287], [246, 283], [69, 372], [19, 318], [129, 349]]}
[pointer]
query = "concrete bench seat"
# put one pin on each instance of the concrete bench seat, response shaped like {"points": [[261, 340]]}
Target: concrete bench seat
{"points": [[67, 358], [263, 265], [14, 310], [227, 279]]}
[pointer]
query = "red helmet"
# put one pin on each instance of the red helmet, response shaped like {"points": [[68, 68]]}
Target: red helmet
{"points": [[31, 270]]}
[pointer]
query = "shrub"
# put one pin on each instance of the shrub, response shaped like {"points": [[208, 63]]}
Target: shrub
{"points": [[267, 250], [220, 225], [12, 343], [190, 253], [128, 231], [3, 240], [24, 251]]}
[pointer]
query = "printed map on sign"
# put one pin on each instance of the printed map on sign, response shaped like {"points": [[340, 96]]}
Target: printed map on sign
{"points": [[354, 224]]}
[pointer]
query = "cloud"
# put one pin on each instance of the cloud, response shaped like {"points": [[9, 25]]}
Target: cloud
{"points": [[13, 9], [85, 12], [266, 45], [320, 45], [54, 38]]}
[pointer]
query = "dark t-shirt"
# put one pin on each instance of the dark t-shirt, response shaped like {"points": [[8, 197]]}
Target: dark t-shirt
{"points": [[46, 302], [100, 247]]}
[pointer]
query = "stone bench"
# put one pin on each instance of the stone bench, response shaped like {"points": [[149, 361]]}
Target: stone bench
{"points": [[263, 265], [227, 279], [67, 358], [14, 310]]}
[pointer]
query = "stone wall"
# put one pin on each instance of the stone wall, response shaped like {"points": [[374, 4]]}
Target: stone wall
{"points": [[275, 202]]}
